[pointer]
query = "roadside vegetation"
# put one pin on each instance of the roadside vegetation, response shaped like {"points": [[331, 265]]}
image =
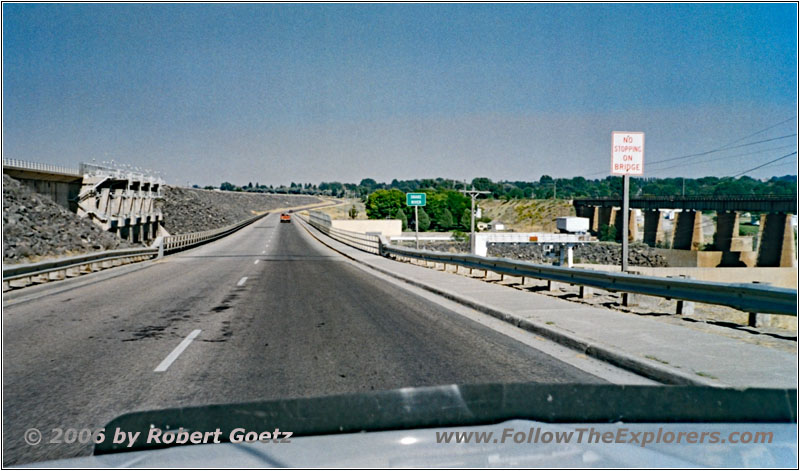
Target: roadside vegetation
{"points": [[546, 187], [519, 205]]}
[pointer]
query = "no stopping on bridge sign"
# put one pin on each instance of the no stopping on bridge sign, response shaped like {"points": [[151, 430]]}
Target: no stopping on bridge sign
{"points": [[627, 153]]}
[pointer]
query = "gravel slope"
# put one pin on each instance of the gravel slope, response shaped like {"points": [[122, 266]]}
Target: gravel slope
{"points": [[36, 227], [191, 210]]}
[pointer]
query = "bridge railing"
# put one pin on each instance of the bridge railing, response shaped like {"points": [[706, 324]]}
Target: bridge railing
{"points": [[185, 241], [744, 297], [365, 242], [22, 275], [40, 167]]}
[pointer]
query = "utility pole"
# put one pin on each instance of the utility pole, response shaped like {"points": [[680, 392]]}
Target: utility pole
{"points": [[554, 188], [473, 194]]}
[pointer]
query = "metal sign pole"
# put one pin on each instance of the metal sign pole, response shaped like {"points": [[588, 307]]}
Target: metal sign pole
{"points": [[625, 224], [416, 224]]}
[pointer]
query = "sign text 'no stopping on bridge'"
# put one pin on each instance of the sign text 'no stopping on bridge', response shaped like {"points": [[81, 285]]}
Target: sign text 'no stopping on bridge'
{"points": [[627, 153]]}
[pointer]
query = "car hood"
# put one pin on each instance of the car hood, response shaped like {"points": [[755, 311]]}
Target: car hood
{"points": [[403, 428]]}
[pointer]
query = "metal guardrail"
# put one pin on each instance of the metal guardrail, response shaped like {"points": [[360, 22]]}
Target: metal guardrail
{"points": [[745, 297], [24, 165], [184, 241], [20, 276]]}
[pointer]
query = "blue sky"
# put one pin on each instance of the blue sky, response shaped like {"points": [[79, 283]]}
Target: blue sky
{"points": [[306, 93]]}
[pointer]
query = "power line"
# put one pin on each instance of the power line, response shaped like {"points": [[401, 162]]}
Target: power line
{"points": [[725, 147], [708, 152], [781, 164], [721, 149], [725, 157], [728, 145], [759, 132], [764, 165]]}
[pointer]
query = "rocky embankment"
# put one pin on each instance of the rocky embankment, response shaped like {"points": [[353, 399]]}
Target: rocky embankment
{"points": [[191, 210], [601, 253], [437, 245], [36, 227]]}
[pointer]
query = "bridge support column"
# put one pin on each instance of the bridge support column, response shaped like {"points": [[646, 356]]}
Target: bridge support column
{"points": [[586, 212], [776, 241], [602, 218], [593, 219], [727, 229], [688, 232], [653, 227], [633, 228]]}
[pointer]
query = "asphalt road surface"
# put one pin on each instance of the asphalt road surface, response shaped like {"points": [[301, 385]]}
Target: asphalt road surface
{"points": [[279, 315]]}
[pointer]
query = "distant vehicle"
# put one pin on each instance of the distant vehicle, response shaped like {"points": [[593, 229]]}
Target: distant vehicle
{"points": [[285, 217], [574, 225]]}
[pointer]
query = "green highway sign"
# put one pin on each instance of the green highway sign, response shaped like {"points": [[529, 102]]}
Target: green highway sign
{"points": [[415, 199]]}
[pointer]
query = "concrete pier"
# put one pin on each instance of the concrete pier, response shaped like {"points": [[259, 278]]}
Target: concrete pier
{"points": [[688, 232], [776, 246], [653, 228]]}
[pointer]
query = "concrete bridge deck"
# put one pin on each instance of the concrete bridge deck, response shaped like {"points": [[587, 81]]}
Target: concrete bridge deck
{"points": [[759, 203]]}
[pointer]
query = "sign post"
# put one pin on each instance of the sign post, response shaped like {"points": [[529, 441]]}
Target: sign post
{"points": [[627, 158], [416, 200]]}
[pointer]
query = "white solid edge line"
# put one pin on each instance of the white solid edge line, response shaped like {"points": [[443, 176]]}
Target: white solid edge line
{"points": [[242, 281], [175, 353]]}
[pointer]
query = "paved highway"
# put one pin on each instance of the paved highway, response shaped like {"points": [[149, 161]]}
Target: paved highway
{"points": [[265, 313]]}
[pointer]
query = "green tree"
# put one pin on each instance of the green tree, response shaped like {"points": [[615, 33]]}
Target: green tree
{"points": [[368, 183], [445, 221], [227, 186], [424, 220], [608, 233], [466, 220], [401, 215], [384, 204], [353, 213]]}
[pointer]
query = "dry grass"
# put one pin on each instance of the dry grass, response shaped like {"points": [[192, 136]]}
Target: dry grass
{"points": [[340, 210], [527, 215]]}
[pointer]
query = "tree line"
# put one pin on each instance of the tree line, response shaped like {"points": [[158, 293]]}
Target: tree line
{"points": [[545, 187]]}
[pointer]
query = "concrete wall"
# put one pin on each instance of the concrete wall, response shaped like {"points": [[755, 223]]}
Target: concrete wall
{"points": [[387, 227], [709, 259], [63, 193], [482, 238]]}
